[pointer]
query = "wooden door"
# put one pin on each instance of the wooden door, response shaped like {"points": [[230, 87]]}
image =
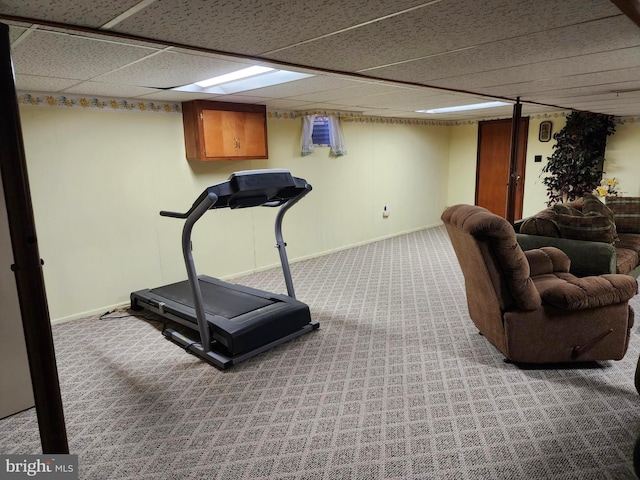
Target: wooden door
{"points": [[492, 174]]}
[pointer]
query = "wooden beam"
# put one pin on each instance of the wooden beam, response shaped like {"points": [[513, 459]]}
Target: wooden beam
{"points": [[631, 8], [512, 183], [27, 265]]}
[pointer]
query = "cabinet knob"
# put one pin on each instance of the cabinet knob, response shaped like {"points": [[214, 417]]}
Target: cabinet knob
{"points": [[237, 140]]}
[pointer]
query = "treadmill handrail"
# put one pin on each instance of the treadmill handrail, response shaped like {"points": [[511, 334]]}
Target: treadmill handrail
{"points": [[166, 213], [281, 244], [194, 215]]}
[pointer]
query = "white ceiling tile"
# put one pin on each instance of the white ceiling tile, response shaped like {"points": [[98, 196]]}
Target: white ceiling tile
{"points": [[583, 39], [109, 89], [580, 64], [356, 91], [36, 83], [175, 96], [69, 56], [442, 27], [94, 13], [15, 32], [239, 98], [169, 69], [285, 104], [253, 27], [335, 107], [319, 83]]}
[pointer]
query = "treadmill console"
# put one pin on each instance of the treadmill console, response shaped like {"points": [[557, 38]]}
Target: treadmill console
{"points": [[252, 188]]}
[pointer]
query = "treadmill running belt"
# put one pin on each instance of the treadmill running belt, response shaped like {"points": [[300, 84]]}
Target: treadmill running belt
{"points": [[218, 300]]}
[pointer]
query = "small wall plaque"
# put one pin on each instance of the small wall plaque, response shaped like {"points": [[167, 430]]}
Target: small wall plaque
{"points": [[544, 135]]}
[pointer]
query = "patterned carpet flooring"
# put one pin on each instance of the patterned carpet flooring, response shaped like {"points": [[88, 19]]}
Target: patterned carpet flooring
{"points": [[396, 384]]}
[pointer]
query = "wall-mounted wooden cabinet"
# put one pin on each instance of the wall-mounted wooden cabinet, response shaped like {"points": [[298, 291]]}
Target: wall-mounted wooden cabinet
{"points": [[216, 131]]}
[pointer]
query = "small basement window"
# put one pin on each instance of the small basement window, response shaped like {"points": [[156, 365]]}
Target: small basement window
{"points": [[320, 134]]}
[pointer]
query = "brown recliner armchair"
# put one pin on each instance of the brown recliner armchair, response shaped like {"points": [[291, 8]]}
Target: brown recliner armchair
{"points": [[528, 304]]}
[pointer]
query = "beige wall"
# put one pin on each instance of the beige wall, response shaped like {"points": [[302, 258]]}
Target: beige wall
{"points": [[535, 192], [462, 164], [99, 179], [622, 158], [621, 161]]}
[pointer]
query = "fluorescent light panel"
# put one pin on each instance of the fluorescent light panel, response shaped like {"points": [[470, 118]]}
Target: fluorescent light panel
{"points": [[462, 108], [250, 78], [237, 75]]}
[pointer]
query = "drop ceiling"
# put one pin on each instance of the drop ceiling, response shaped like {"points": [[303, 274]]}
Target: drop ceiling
{"points": [[375, 58]]}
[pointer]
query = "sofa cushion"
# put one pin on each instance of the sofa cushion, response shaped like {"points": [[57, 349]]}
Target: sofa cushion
{"points": [[566, 209], [577, 203], [626, 260], [592, 204], [627, 213], [591, 227], [542, 223]]}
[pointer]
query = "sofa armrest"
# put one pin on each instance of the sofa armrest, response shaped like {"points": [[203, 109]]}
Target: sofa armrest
{"points": [[547, 260], [587, 258]]}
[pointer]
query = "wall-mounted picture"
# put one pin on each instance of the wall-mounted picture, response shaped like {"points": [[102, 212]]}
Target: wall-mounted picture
{"points": [[544, 135]]}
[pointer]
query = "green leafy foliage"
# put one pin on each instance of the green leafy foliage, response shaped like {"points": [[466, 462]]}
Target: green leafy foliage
{"points": [[575, 167]]}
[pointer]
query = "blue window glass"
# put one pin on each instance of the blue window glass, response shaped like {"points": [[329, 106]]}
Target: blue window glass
{"points": [[320, 135]]}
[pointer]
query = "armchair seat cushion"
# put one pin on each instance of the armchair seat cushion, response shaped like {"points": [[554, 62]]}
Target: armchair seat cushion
{"points": [[568, 292], [626, 260], [629, 241]]}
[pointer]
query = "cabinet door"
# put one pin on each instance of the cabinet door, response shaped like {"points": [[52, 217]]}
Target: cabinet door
{"points": [[233, 134], [220, 133], [250, 128]]}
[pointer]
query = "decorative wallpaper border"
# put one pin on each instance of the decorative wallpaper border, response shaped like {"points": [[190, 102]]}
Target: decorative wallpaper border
{"points": [[351, 117], [73, 101], [86, 102]]}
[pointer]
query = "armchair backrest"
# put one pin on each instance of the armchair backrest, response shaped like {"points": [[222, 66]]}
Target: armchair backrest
{"points": [[495, 269]]}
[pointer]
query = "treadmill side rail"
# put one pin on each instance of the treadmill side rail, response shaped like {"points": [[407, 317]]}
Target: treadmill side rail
{"points": [[222, 361]]}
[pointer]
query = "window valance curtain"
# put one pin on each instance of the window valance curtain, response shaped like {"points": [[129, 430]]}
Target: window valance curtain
{"points": [[307, 131], [336, 137]]}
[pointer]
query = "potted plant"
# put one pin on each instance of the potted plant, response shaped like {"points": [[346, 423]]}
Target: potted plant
{"points": [[576, 164]]}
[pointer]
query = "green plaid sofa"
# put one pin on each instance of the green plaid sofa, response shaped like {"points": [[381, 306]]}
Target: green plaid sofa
{"points": [[598, 238]]}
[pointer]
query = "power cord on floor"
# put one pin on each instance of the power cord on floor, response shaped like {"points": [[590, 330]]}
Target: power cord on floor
{"points": [[125, 312]]}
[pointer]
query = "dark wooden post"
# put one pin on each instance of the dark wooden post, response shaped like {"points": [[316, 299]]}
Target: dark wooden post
{"points": [[512, 184], [27, 265]]}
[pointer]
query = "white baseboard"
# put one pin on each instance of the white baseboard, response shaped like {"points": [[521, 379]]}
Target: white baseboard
{"points": [[78, 316]]}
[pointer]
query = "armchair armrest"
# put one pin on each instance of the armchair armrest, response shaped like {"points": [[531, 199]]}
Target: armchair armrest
{"points": [[569, 292], [547, 260], [587, 258]]}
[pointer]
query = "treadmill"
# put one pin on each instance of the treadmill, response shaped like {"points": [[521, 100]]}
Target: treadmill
{"points": [[234, 322]]}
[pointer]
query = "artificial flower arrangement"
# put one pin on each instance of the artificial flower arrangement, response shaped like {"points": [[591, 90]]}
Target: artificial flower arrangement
{"points": [[608, 188]]}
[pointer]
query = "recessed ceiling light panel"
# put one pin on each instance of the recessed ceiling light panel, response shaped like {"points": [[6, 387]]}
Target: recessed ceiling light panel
{"points": [[462, 108], [237, 75]]}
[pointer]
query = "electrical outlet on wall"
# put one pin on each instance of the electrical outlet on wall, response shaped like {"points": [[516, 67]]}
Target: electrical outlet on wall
{"points": [[385, 211]]}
